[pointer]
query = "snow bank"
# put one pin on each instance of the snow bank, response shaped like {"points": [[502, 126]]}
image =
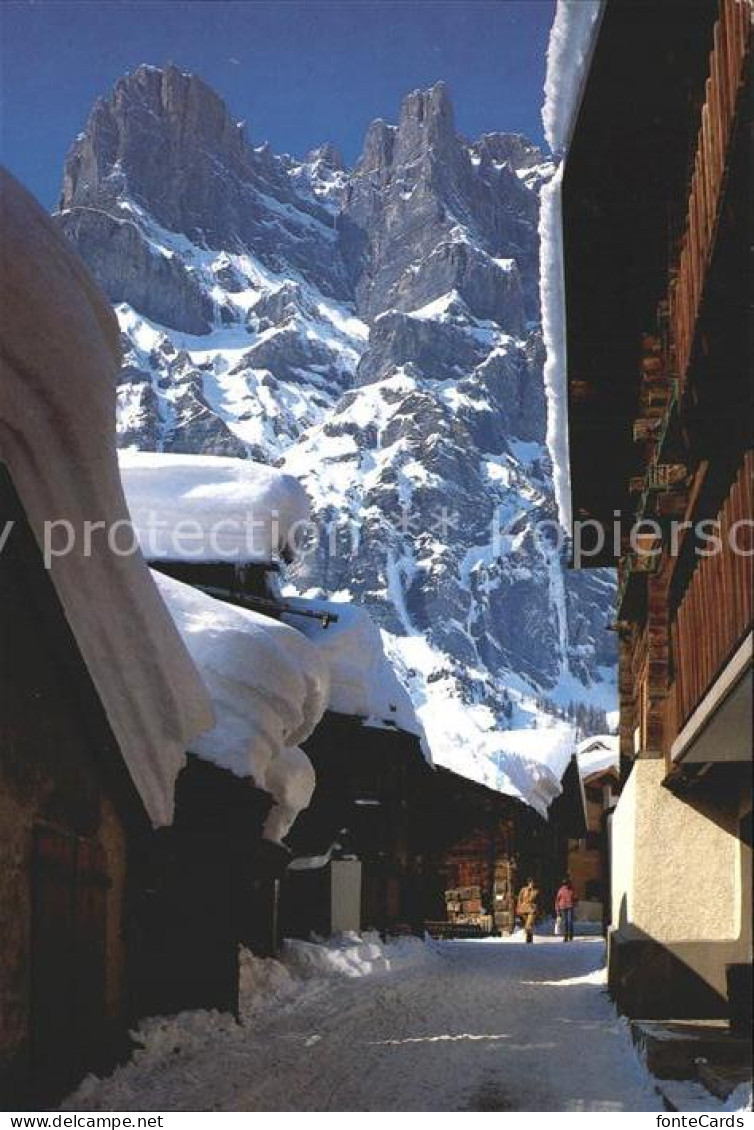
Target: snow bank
{"points": [[363, 682], [571, 40], [353, 955], [174, 1050], [264, 982], [211, 508], [598, 754], [740, 1099], [267, 982], [60, 361], [269, 687], [692, 1097]]}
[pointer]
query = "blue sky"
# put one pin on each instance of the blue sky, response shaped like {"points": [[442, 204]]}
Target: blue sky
{"points": [[300, 72]]}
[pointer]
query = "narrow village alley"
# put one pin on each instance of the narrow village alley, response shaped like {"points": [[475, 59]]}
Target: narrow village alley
{"points": [[489, 1025]]}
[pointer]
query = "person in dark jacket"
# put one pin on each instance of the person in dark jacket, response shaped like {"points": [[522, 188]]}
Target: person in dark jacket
{"points": [[565, 901]]}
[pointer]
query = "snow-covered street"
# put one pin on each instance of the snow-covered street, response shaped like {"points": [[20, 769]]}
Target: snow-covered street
{"points": [[485, 1025]]}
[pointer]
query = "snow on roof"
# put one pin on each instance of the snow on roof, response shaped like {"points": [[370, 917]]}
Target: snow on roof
{"points": [[60, 360], [544, 754], [363, 682], [598, 754], [211, 508], [571, 40], [269, 687], [552, 300], [465, 737], [569, 50]]}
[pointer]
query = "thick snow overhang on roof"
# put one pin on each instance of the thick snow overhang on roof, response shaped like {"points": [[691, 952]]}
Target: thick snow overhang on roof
{"points": [[269, 686], [527, 764], [624, 198], [363, 683], [569, 49], [598, 754], [207, 508], [59, 361]]}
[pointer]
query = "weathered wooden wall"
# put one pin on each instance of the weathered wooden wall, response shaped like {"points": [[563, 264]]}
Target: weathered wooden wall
{"points": [[60, 776]]}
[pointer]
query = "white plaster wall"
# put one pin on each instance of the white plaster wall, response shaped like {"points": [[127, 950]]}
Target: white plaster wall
{"points": [[622, 852], [677, 868], [744, 892]]}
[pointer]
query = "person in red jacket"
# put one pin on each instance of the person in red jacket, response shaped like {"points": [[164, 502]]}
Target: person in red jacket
{"points": [[565, 901]]}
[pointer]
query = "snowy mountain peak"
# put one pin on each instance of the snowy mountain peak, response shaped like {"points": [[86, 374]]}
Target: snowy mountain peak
{"points": [[326, 157], [131, 162], [379, 146], [153, 122], [426, 124], [375, 333]]}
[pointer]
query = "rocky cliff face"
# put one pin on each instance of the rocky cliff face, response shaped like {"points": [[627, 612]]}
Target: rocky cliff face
{"points": [[376, 332], [423, 213]]}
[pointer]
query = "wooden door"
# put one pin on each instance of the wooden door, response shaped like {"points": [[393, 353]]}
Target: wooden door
{"points": [[52, 963], [68, 959], [89, 947]]}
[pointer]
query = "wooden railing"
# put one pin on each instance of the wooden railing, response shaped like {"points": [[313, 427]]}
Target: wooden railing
{"points": [[716, 610], [727, 66]]}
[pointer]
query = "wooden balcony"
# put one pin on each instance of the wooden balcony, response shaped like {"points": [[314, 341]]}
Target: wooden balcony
{"points": [[728, 58], [715, 612]]}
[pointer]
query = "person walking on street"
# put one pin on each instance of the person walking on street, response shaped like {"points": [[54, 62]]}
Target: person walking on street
{"points": [[526, 908], [565, 901]]}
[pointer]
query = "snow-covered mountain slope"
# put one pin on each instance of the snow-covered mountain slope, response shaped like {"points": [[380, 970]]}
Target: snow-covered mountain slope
{"points": [[374, 331]]}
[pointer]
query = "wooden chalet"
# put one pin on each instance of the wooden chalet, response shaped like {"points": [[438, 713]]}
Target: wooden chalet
{"points": [[480, 846], [99, 697], [211, 883], [656, 207], [349, 859], [588, 856], [355, 850], [385, 835], [70, 814], [215, 876]]}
